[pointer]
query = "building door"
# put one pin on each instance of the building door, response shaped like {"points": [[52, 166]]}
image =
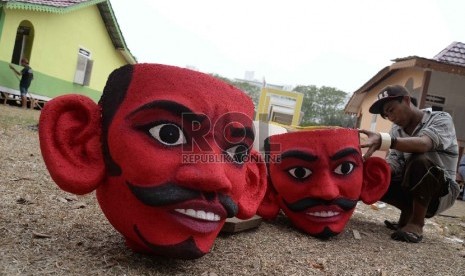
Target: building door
{"points": [[23, 42]]}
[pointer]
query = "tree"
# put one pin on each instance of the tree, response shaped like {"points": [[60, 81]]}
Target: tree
{"points": [[309, 105], [324, 106], [251, 90], [321, 105]]}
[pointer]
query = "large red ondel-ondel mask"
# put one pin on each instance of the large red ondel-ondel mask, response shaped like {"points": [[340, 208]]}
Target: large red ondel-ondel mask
{"points": [[166, 149], [317, 176]]}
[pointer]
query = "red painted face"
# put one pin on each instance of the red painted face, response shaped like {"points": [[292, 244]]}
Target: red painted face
{"points": [[318, 177], [178, 138]]}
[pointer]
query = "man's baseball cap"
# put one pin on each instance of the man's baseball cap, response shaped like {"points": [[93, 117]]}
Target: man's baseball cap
{"points": [[389, 93]]}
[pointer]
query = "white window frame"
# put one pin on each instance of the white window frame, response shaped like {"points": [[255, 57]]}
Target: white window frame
{"points": [[83, 67]]}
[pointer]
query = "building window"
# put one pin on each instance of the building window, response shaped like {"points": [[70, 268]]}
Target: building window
{"points": [[83, 67], [23, 42], [437, 103]]}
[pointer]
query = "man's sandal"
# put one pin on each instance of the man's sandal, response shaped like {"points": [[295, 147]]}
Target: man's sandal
{"points": [[406, 236], [391, 225]]}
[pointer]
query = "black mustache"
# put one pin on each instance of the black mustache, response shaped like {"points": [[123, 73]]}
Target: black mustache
{"points": [[170, 193], [303, 204]]}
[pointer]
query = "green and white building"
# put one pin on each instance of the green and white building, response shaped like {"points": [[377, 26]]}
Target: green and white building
{"points": [[72, 45]]}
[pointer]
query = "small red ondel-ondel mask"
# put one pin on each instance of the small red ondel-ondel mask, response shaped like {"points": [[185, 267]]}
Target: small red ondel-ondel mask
{"points": [[317, 176]]}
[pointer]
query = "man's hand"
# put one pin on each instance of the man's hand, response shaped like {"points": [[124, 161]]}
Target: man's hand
{"points": [[14, 69], [372, 142]]}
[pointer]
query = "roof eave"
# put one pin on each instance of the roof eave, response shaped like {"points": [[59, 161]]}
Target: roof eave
{"points": [[114, 31], [128, 56], [353, 105]]}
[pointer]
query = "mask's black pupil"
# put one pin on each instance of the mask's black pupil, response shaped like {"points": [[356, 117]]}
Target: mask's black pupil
{"points": [[169, 134], [299, 172], [241, 152], [345, 168]]}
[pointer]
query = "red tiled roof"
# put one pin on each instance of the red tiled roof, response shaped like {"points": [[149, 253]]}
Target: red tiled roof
{"points": [[453, 54], [52, 3]]}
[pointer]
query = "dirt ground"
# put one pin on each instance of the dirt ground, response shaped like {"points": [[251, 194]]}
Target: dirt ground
{"points": [[45, 231]]}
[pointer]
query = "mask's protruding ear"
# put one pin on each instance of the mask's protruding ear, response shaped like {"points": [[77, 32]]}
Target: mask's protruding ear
{"points": [[69, 135], [269, 207], [376, 179], [255, 186]]}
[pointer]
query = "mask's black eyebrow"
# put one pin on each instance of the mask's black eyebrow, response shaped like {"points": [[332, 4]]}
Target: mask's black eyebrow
{"points": [[343, 153], [175, 108], [246, 132], [300, 155]]}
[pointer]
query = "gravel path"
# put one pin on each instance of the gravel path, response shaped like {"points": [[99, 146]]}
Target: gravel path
{"points": [[45, 231]]}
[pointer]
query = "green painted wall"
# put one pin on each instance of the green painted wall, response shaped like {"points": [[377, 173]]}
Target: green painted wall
{"points": [[48, 86], [57, 38]]}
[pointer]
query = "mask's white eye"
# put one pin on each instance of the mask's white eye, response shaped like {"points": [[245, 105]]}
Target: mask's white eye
{"points": [[345, 168], [168, 134], [300, 172], [238, 153]]}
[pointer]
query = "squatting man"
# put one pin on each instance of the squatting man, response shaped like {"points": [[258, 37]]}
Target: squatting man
{"points": [[423, 155]]}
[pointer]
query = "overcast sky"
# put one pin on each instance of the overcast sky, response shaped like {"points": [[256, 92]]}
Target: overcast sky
{"points": [[341, 43]]}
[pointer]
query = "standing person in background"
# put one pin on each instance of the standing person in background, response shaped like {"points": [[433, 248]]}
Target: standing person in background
{"points": [[423, 155], [26, 79]]}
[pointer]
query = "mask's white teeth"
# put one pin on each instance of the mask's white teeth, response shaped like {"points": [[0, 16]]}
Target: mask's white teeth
{"points": [[200, 214], [323, 214]]}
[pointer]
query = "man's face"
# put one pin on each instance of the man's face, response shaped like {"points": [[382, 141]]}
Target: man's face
{"points": [[317, 175], [395, 111], [178, 138]]}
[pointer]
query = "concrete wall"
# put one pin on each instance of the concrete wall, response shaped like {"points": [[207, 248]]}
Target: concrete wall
{"points": [[452, 88]]}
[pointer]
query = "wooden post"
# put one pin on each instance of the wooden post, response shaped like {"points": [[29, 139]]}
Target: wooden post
{"points": [[234, 225]]}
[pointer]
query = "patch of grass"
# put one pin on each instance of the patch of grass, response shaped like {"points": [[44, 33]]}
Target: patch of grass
{"points": [[13, 116]]}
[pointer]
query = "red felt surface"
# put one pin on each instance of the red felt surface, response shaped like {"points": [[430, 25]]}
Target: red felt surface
{"points": [[141, 146], [329, 166]]}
